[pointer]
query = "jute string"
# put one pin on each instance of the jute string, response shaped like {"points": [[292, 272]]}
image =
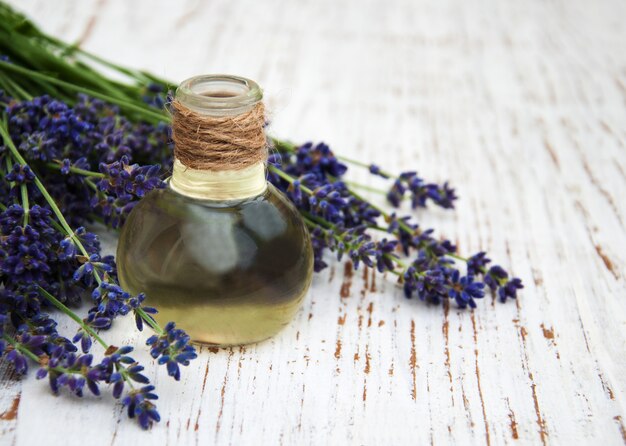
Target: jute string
{"points": [[217, 143]]}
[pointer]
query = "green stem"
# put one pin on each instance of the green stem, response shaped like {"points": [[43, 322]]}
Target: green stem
{"points": [[289, 178], [397, 260], [288, 146], [305, 189], [6, 86], [310, 223], [9, 163], [56, 225], [353, 161], [86, 173], [402, 225], [367, 188], [149, 320], [378, 228], [283, 145], [55, 209], [25, 205], [318, 220], [59, 305], [150, 116], [68, 230], [133, 74], [314, 219], [385, 215], [454, 256], [19, 91], [92, 185], [458, 257], [314, 224], [364, 165], [19, 347]]}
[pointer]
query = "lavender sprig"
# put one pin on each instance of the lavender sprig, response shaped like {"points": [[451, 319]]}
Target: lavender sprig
{"points": [[42, 252], [311, 176]]}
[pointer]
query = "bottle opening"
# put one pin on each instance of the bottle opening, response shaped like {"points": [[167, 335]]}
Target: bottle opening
{"points": [[219, 94]]}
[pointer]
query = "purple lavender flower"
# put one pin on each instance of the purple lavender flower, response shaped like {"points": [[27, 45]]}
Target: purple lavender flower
{"points": [[24, 255], [385, 255], [172, 348], [20, 174], [122, 185], [139, 405], [464, 289], [477, 263], [509, 290], [90, 265], [20, 365], [420, 192], [375, 170], [123, 178], [84, 338], [496, 277]]}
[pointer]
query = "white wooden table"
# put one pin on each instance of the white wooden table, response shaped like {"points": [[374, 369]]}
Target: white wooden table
{"points": [[522, 105]]}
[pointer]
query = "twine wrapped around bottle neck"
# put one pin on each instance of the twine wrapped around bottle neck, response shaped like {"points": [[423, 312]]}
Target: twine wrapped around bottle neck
{"points": [[219, 157], [218, 143]]}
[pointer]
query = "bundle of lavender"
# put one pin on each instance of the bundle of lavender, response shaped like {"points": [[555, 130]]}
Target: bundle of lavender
{"points": [[79, 147]]}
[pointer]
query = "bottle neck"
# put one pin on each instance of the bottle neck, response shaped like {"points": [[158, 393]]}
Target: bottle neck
{"points": [[218, 185], [220, 147]]}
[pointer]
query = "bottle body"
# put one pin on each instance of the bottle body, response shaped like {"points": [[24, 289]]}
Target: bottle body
{"points": [[228, 272]]}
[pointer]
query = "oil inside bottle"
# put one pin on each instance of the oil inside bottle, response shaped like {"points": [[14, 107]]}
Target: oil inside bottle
{"points": [[228, 273]]}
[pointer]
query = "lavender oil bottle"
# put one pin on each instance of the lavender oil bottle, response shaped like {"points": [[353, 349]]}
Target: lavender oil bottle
{"points": [[219, 251]]}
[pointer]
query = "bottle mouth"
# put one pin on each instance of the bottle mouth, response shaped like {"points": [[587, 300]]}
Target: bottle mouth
{"points": [[219, 94]]}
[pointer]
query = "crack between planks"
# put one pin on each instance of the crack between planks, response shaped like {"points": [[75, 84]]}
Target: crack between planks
{"points": [[543, 433], [606, 260], [206, 374], [480, 390], [223, 393], [413, 362]]}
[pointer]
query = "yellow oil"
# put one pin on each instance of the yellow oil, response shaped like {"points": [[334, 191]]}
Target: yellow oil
{"points": [[228, 273]]}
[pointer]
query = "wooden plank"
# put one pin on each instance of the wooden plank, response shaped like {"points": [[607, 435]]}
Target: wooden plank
{"points": [[521, 105]]}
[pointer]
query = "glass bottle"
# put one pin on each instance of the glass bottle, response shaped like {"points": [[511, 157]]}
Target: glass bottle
{"points": [[229, 269]]}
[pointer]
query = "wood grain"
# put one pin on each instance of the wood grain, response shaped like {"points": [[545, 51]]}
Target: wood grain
{"points": [[521, 105]]}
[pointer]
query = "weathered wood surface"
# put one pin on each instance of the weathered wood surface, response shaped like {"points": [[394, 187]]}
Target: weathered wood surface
{"points": [[522, 105]]}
